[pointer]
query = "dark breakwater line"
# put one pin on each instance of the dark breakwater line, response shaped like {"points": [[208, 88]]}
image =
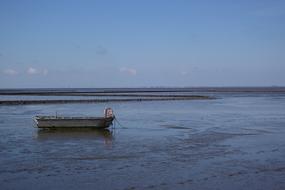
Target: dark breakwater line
{"points": [[109, 95], [80, 91], [29, 102]]}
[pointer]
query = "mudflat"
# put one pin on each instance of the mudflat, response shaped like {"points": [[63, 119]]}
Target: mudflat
{"points": [[235, 141]]}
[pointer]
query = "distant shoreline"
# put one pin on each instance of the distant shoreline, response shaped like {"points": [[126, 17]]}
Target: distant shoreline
{"points": [[125, 94], [114, 91], [30, 102]]}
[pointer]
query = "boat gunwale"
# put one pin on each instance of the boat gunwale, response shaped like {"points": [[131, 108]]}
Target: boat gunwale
{"points": [[71, 118]]}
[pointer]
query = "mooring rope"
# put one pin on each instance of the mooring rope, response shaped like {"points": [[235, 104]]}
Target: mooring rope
{"points": [[116, 120]]}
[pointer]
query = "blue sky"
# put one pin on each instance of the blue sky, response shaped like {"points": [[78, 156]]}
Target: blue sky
{"points": [[141, 43]]}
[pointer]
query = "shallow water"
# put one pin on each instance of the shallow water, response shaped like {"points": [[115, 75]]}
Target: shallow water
{"points": [[236, 141]]}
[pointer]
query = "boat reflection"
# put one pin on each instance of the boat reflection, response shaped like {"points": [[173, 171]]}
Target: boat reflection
{"points": [[72, 134]]}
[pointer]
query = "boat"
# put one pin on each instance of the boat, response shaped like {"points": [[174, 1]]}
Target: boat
{"points": [[62, 122], [105, 135]]}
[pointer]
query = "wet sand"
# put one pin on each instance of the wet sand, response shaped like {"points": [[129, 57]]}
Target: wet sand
{"points": [[232, 142]]}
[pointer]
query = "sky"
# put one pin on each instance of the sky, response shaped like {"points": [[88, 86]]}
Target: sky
{"points": [[141, 43]]}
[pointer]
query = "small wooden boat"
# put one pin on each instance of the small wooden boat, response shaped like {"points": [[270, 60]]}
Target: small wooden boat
{"points": [[56, 122]]}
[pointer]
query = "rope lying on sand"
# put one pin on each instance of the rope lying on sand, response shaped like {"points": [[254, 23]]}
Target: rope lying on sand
{"points": [[163, 98]]}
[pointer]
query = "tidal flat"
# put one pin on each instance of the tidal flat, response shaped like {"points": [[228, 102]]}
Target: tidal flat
{"points": [[233, 141]]}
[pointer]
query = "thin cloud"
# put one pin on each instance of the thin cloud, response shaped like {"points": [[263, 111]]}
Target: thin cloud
{"points": [[10, 72], [34, 71], [183, 73], [77, 46], [100, 50], [129, 71]]}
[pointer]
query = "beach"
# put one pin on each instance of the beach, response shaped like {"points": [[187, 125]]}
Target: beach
{"points": [[227, 138]]}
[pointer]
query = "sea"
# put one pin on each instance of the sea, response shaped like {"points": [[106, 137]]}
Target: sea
{"points": [[234, 140]]}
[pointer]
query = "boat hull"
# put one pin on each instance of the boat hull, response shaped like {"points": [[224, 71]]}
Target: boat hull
{"points": [[72, 122]]}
